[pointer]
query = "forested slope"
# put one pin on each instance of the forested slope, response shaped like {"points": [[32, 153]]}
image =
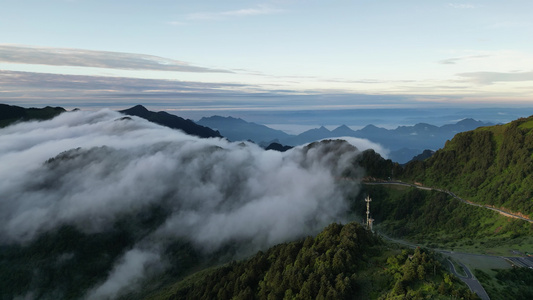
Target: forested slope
{"points": [[490, 165], [342, 262]]}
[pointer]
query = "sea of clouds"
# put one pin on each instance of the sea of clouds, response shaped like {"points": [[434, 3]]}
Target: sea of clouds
{"points": [[89, 169]]}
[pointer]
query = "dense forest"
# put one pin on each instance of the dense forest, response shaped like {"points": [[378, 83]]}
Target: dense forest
{"points": [[342, 262]]}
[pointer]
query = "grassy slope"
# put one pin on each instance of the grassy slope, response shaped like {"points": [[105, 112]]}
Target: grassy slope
{"points": [[437, 220], [490, 165], [506, 284]]}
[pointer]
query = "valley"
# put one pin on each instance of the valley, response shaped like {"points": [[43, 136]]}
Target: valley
{"points": [[473, 254]]}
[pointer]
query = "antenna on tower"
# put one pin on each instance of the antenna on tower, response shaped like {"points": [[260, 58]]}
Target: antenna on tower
{"points": [[369, 220]]}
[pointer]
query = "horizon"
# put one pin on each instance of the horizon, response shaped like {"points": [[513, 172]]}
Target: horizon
{"points": [[267, 55], [297, 122]]}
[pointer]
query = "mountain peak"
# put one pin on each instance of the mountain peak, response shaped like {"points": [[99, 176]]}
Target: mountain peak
{"points": [[343, 127], [137, 110], [468, 121], [217, 119], [370, 126], [343, 130]]}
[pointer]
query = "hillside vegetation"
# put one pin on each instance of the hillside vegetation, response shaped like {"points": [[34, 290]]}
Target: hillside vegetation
{"points": [[438, 220], [489, 165], [342, 262]]}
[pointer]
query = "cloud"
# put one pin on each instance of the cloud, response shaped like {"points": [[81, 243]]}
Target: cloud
{"points": [[454, 60], [487, 78], [260, 10], [29, 89], [129, 271], [461, 5], [95, 59], [213, 192]]}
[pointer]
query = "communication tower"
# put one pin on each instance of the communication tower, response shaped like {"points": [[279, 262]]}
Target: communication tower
{"points": [[369, 220]]}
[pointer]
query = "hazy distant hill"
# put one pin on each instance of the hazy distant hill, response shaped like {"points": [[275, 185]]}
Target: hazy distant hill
{"points": [[10, 114], [239, 130], [490, 165], [404, 142], [172, 121], [418, 137]]}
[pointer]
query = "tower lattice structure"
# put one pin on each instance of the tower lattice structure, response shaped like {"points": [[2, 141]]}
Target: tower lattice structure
{"points": [[369, 220]]}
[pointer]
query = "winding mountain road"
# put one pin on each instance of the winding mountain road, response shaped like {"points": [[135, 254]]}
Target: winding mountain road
{"points": [[470, 280], [502, 212]]}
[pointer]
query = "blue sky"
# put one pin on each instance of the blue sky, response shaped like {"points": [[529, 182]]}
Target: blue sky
{"points": [[266, 55]]}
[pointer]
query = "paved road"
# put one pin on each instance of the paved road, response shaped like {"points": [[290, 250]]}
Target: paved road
{"points": [[474, 285], [507, 214]]}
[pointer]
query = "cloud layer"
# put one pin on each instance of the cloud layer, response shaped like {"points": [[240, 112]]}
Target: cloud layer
{"points": [[493, 77], [245, 12], [105, 167], [95, 59], [29, 89]]}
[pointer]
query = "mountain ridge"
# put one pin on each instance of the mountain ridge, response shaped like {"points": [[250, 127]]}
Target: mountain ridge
{"points": [[236, 129], [10, 114], [490, 165], [405, 142], [171, 121]]}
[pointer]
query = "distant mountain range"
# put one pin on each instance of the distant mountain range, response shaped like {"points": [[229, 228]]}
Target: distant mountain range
{"points": [[405, 142], [236, 129], [171, 121]]}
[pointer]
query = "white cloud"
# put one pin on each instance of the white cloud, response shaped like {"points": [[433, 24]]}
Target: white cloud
{"points": [[126, 275], [260, 10], [461, 5], [175, 23], [95, 59], [487, 78], [124, 166], [106, 168], [454, 60]]}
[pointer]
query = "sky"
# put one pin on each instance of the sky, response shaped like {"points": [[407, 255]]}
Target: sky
{"points": [[273, 55]]}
